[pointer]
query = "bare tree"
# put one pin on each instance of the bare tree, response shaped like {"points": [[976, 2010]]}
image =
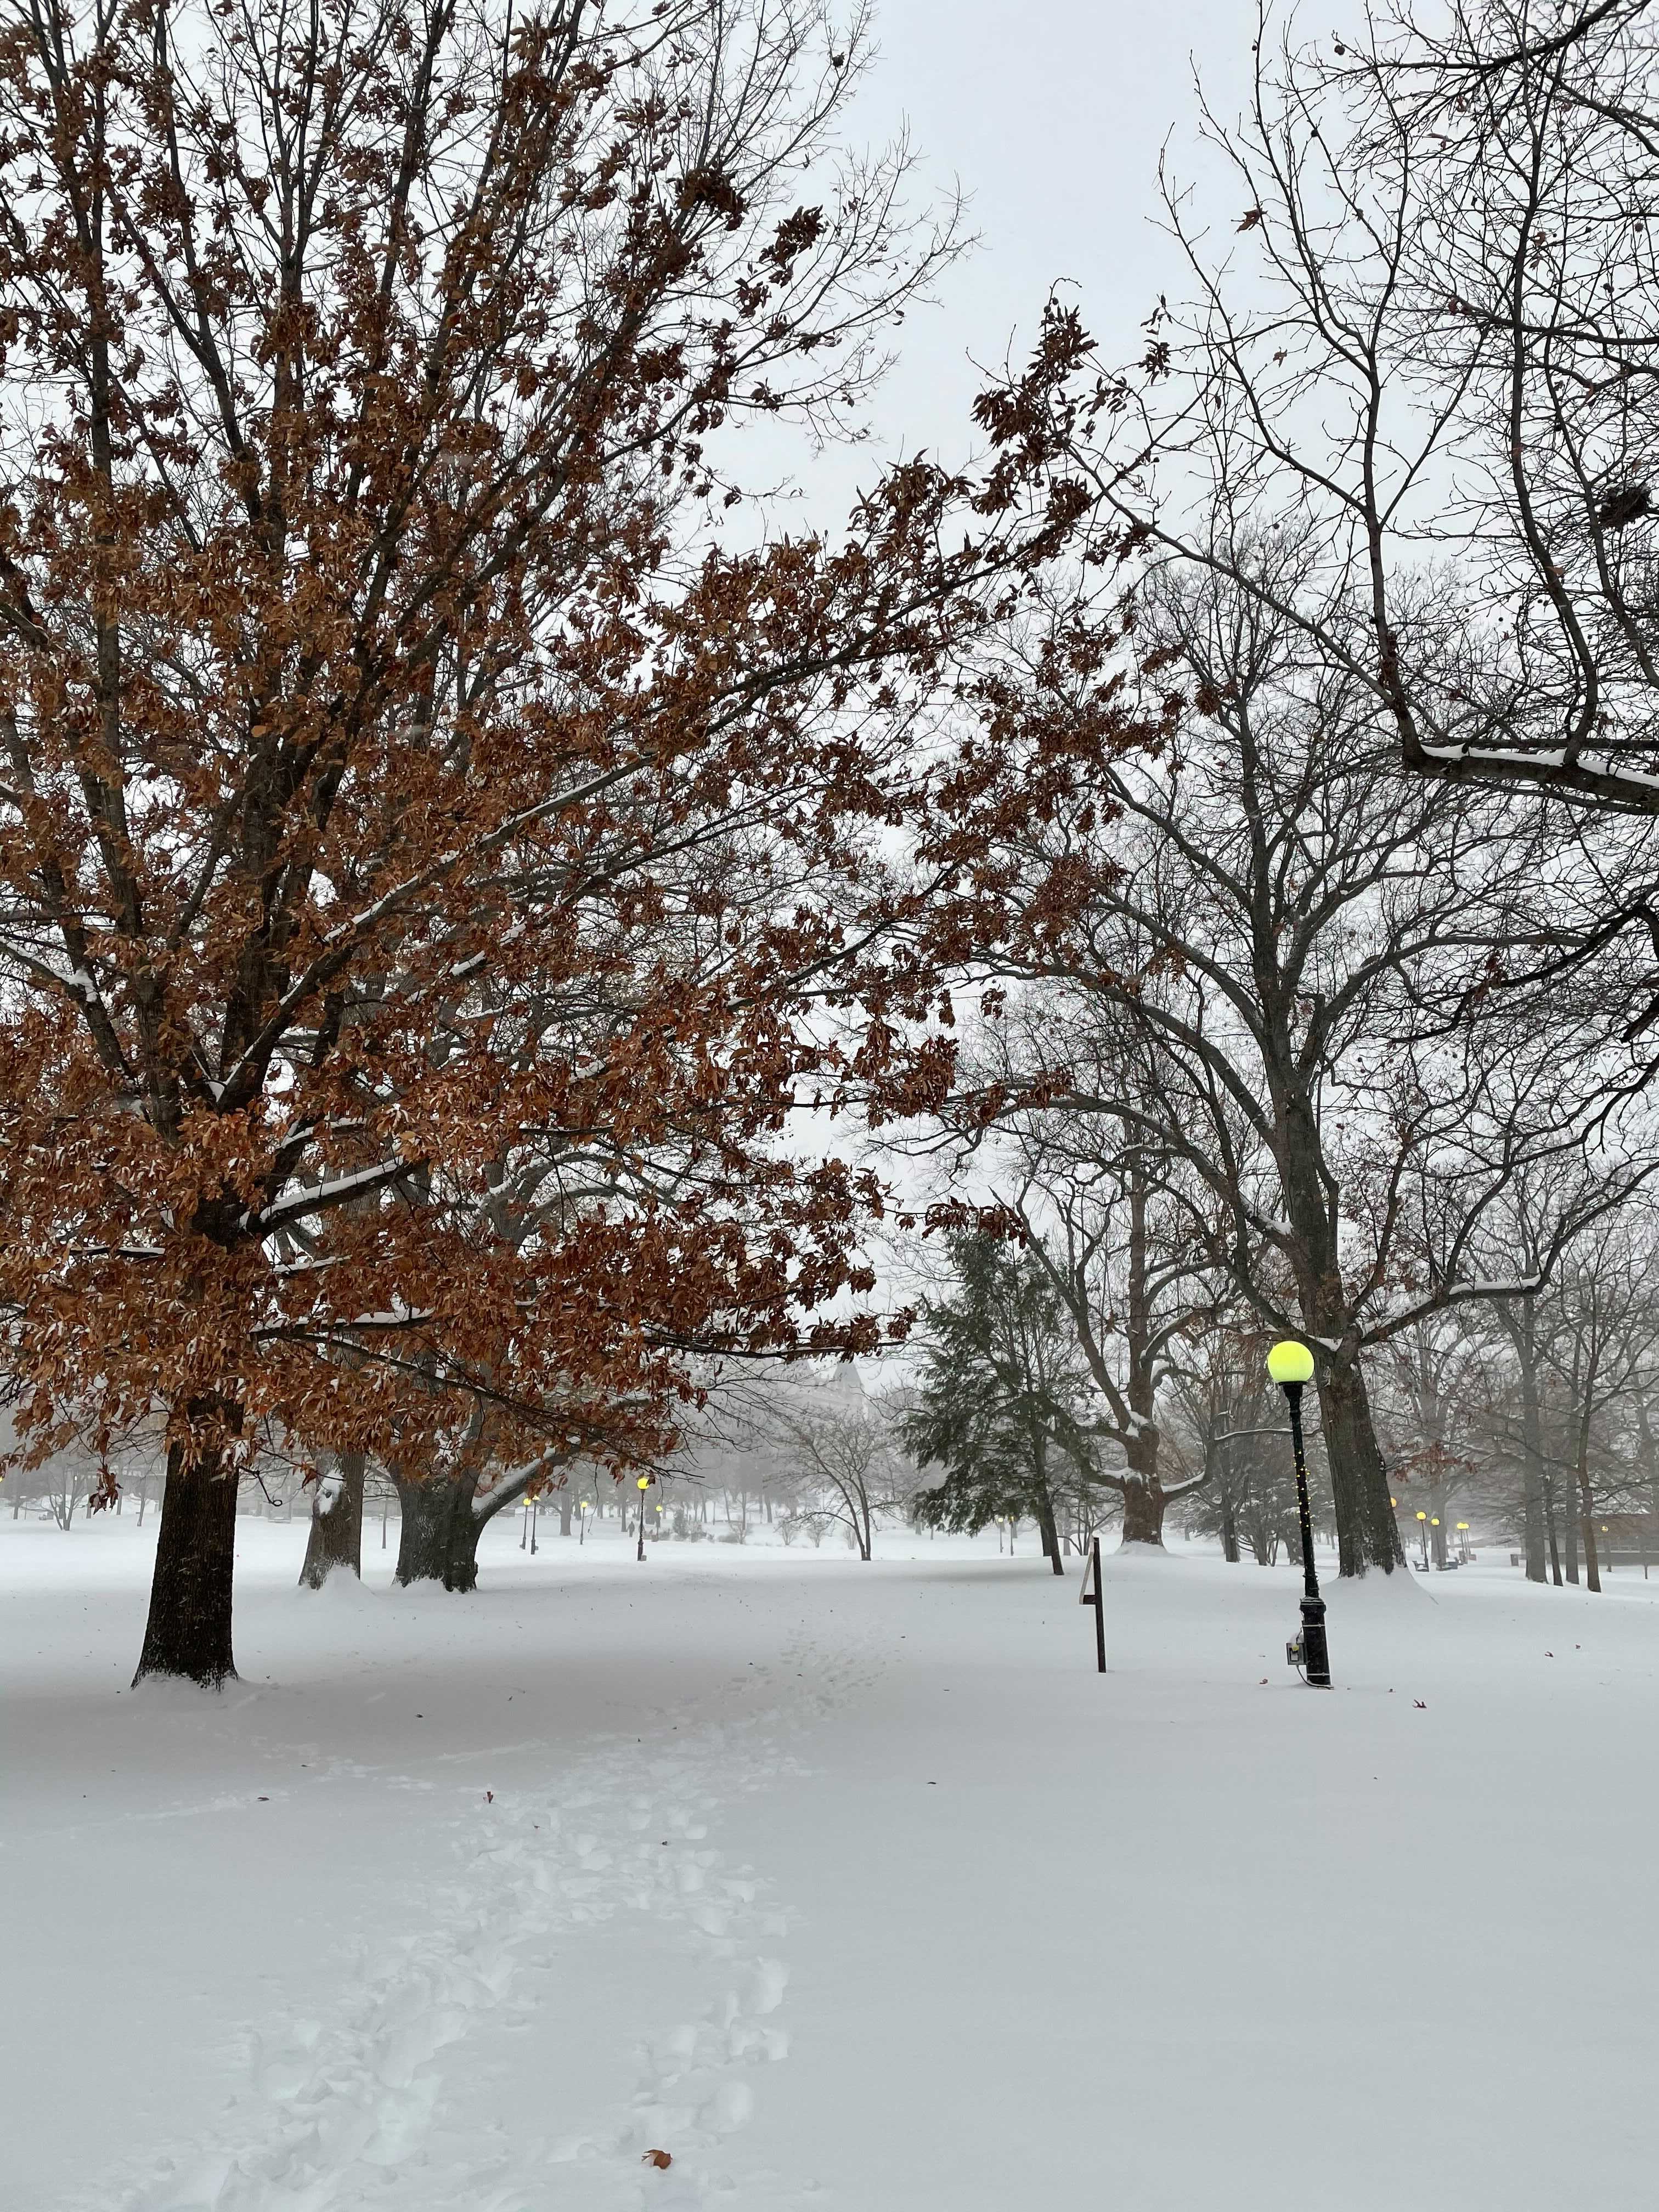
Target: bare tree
{"points": [[848, 1469], [1108, 1224], [1229, 1418], [1605, 1355], [1287, 937], [1416, 319]]}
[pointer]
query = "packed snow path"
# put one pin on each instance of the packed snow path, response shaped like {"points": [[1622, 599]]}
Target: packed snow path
{"points": [[846, 1886]]}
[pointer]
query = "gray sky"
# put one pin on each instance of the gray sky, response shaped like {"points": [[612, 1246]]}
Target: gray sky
{"points": [[1052, 116]]}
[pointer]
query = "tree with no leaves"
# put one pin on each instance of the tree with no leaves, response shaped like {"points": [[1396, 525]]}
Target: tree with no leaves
{"points": [[1252, 906], [1422, 324], [843, 1468]]}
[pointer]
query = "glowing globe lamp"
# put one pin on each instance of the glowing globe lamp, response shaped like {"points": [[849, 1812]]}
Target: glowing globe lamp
{"points": [[1290, 1362]]}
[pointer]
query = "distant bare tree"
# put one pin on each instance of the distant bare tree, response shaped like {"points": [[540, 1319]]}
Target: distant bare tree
{"points": [[847, 1467]]}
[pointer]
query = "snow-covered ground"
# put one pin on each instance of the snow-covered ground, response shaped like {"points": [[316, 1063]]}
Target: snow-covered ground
{"points": [[846, 1886]]}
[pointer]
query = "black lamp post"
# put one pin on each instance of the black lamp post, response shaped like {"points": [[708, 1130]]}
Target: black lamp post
{"points": [[1290, 1365], [644, 1484]]}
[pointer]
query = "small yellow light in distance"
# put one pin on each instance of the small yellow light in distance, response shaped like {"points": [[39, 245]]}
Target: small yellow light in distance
{"points": [[1422, 1517], [1463, 1524], [1290, 1362], [1434, 1522], [644, 1482]]}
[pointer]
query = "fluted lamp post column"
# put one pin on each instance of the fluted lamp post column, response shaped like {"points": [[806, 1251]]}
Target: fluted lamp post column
{"points": [[1290, 1365]]}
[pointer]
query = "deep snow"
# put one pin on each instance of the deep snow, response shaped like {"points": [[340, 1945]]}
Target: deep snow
{"points": [[847, 1885]]}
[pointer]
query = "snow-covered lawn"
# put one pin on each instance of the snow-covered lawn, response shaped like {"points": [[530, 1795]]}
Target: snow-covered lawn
{"points": [[846, 1886]]}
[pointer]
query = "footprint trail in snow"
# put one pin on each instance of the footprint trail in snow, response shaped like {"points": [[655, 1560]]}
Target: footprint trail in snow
{"points": [[377, 2105]]}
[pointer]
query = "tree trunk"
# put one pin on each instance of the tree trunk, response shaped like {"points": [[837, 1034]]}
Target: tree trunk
{"points": [[1587, 1524], [1229, 1506], [1532, 1454], [1367, 1534], [187, 1634], [1549, 1524], [566, 1509], [438, 1541], [1143, 1510], [1570, 1530], [1045, 1519], [336, 1523]]}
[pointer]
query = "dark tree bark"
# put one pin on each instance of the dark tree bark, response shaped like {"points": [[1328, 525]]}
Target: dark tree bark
{"points": [[437, 1539], [1229, 1528], [1043, 1505], [1523, 1334], [566, 1509], [1043, 1500], [188, 1631], [337, 1524], [1587, 1512], [1367, 1534], [1143, 1513], [1145, 1499], [1549, 1524], [441, 1524]]}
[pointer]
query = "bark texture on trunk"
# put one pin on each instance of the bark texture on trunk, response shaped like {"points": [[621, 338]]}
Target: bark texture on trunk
{"points": [[437, 1539], [1532, 1460], [1045, 1516], [1143, 1510], [336, 1523], [1587, 1528], [188, 1633], [1367, 1534], [1144, 1497], [1229, 1529]]}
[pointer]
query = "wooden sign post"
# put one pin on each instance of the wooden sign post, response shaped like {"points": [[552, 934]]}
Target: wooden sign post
{"points": [[1087, 1595]]}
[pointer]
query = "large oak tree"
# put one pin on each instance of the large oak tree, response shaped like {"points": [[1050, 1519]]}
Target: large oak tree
{"points": [[418, 838]]}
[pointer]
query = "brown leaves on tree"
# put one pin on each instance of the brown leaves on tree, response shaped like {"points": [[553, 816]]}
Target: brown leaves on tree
{"points": [[425, 853]]}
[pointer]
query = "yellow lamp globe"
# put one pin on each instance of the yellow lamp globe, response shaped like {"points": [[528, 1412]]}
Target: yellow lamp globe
{"points": [[644, 1483], [1290, 1362]]}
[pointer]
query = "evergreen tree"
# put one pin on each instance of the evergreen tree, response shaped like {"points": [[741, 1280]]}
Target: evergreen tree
{"points": [[994, 1403]]}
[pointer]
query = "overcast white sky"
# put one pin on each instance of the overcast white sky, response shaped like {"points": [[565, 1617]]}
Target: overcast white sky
{"points": [[1051, 115]]}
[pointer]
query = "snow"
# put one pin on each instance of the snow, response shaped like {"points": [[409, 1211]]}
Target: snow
{"points": [[846, 1885]]}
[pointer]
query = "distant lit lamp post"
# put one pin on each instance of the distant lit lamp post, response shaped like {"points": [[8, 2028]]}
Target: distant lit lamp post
{"points": [[1290, 1365], [1434, 1522], [1463, 1543], [581, 1515], [1422, 1531], [643, 1484]]}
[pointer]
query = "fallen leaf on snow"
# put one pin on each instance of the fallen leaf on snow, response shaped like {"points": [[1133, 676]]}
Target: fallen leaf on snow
{"points": [[657, 2158]]}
